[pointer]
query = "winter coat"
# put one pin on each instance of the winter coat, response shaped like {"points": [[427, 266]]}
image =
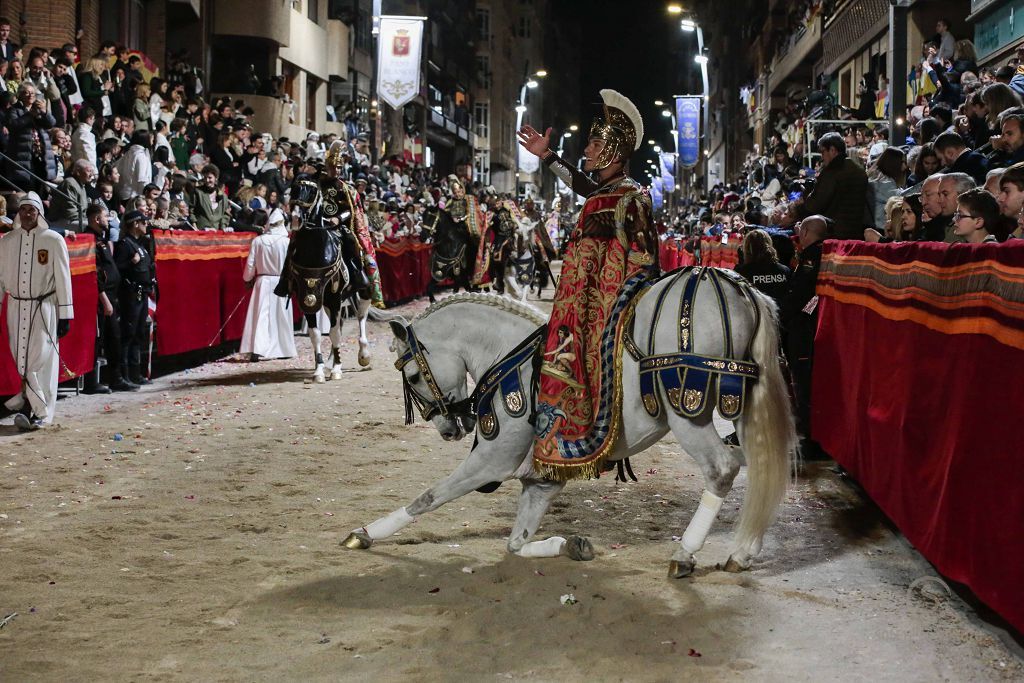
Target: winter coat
{"points": [[840, 193], [22, 125]]}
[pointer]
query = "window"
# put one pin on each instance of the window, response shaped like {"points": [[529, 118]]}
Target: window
{"points": [[313, 10], [483, 71], [483, 25], [363, 26], [524, 26], [482, 117], [312, 85], [482, 166]]}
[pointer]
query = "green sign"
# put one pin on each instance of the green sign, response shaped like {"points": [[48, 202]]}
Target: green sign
{"points": [[1000, 27]]}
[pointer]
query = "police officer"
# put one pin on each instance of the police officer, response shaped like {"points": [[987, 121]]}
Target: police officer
{"points": [[799, 313], [135, 264], [108, 338]]}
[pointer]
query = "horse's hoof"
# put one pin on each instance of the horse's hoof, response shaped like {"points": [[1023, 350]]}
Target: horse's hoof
{"points": [[735, 567], [336, 373], [681, 569], [364, 360], [358, 540], [579, 548], [318, 377]]}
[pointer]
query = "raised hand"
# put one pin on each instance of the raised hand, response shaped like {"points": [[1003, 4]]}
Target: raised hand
{"points": [[534, 142]]}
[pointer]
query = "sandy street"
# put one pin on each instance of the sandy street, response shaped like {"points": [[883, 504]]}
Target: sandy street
{"points": [[204, 546]]}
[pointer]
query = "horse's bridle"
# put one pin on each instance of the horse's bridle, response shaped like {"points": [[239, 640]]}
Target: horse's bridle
{"points": [[441, 404]]}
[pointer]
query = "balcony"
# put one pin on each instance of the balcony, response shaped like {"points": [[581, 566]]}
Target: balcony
{"points": [[269, 19], [800, 47]]}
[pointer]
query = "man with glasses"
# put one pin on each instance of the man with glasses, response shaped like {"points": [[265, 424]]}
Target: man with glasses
{"points": [[35, 273]]}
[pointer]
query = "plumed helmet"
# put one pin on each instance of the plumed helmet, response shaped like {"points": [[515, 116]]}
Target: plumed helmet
{"points": [[622, 128], [334, 154]]}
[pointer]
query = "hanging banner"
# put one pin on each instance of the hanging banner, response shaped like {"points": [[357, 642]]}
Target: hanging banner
{"points": [[668, 171], [398, 59], [657, 195], [688, 129]]}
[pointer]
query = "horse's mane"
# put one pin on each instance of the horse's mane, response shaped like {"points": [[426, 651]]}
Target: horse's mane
{"points": [[523, 310]]}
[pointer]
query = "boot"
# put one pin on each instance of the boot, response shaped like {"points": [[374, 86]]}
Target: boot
{"points": [[94, 387], [135, 373], [119, 383]]}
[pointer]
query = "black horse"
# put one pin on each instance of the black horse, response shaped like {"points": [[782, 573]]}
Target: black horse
{"points": [[323, 268], [454, 252]]}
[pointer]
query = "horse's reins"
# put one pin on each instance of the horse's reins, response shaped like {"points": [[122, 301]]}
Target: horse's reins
{"points": [[441, 405]]}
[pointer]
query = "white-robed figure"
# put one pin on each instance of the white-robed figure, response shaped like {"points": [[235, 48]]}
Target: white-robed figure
{"points": [[35, 273], [269, 330]]}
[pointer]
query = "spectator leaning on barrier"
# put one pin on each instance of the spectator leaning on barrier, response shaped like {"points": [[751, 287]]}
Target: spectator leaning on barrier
{"points": [[840, 190], [209, 206]]}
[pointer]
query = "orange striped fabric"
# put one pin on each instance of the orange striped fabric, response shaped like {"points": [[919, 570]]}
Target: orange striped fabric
{"points": [[187, 245], [81, 254], [401, 246], [952, 289]]}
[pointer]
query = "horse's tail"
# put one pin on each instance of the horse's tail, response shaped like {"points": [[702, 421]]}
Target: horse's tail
{"points": [[767, 433]]}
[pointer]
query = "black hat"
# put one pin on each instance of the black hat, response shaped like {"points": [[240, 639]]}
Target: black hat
{"points": [[133, 216]]}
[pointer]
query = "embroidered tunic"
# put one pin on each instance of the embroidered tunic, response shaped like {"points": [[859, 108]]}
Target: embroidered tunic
{"points": [[613, 240]]}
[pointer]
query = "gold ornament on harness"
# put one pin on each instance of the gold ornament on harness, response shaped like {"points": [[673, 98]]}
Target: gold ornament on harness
{"points": [[487, 424], [730, 403], [692, 399], [311, 282], [651, 403], [309, 301], [673, 396], [514, 401]]}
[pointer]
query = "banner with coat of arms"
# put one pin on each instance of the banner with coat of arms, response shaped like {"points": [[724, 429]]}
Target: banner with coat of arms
{"points": [[399, 47]]}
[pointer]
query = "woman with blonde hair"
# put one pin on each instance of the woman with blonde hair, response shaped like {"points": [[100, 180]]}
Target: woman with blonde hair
{"points": [[95, 82], [140, 109]]}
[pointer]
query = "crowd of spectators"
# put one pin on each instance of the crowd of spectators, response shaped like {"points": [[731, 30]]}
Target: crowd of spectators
{"points": [[117, 151]]}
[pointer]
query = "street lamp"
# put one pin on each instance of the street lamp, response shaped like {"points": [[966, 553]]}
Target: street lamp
{"points": [[574, 128], [657, 148], [520, 109], [688, 25], [541, 73], [532, 84], [658, 103], [529, 84], [666, 113], [673, 8]]}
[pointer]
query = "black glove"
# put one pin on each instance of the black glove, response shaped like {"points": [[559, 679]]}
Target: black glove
{"points": [[63, 327]]}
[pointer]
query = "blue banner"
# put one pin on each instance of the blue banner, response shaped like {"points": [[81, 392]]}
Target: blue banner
{"points": [[657, 198], [688, 129], [668, 171]]}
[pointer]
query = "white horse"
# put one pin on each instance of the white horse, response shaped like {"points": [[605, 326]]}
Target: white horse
{"points": [[468, 333]]}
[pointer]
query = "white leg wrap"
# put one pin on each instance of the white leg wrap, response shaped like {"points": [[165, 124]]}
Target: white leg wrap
{"points": [[549, 547], [700, 525], [385, 526]]}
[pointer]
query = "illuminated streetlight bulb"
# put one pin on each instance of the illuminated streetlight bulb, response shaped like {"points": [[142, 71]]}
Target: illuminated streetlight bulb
{"points": [[532, 83], [657, 148], [541, 73], [521, 108], [899, 121], [650, 142], [688, 25], [574, 128], [658, 103], [666, 113], [700, 59], [674, 8]]}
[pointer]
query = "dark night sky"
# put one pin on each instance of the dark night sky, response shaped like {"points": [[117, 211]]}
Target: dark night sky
{"points": [[635, 48]]}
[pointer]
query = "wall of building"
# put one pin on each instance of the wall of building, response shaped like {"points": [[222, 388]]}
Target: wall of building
{"points": [[307, 44]]}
